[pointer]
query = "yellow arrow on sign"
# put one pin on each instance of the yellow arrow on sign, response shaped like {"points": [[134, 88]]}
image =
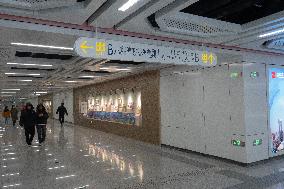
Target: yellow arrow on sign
{"points": [[84, 47]]}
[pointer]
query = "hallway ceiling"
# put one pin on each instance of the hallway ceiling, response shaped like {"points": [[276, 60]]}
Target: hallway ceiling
{"points": [[236, 23]]}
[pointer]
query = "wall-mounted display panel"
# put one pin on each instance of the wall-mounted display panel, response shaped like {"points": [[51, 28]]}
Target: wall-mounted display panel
{"points": [[121, 106], [276, 109]]}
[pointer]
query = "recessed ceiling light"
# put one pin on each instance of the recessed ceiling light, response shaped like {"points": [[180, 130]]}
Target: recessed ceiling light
{"points": [[127, 5], [37, 94], [104, 68], [87, 76], [36, 74], [41, 92], [24, 64], [122, 69], [272, 33], [11, 89], [42, 46], [10, 73], [71, 81], [26, 80]]}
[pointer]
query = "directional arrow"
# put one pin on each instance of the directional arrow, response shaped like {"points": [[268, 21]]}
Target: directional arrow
{"points": [[84, 47]]}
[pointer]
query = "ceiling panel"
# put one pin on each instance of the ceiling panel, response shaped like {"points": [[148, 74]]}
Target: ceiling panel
{"points": [[235, 11], [111, 16]]}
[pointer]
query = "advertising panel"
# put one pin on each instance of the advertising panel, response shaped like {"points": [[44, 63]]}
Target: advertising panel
{"points": [[276, 108]]}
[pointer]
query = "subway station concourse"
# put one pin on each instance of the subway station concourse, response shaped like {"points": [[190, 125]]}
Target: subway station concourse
{"points": [[155, 94]]}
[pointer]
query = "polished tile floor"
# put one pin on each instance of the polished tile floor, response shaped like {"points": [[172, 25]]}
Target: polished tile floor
{"points": [[78, 157]]}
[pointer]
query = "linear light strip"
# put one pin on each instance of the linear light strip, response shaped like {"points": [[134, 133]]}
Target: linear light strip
{"points": [[127, 5], [26, 80], [11, 89], [24, 64], [35, 74], [42, 46], [272, 33]]}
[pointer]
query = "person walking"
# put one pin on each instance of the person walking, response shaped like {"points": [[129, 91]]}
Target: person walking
{"points": [[28, 121], [41, 121], [61, 110], [14, 115], [6, 114]]}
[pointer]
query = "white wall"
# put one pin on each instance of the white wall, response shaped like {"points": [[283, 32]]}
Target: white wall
{"points": [[67, 98], [204, 110], [196, 110], [256, 115]]}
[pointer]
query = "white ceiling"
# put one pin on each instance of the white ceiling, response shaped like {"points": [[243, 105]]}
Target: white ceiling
{"points": [[104, 16]]}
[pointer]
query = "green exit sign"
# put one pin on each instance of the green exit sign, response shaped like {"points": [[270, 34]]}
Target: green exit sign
{"points": [[254, 75], [238, 143], [235, 75], [257, 142]]}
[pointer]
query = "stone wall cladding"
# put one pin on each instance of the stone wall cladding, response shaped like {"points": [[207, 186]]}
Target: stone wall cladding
{"points": [[149, 84]]}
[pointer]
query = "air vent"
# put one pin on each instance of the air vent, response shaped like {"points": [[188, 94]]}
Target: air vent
{"points": [[192, 27], [81, 78], [124, 62], [24, 76], [101, 72], [15, 68], [43, 55], [188, 24]]}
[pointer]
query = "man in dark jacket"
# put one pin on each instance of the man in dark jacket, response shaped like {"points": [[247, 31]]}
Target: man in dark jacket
{"points": [[28, 121], [41, 121], [61, 110]]}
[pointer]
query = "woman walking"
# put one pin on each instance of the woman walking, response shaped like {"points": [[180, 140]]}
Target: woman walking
{"points": [[41, 121], [6, 114], [14, 115]]}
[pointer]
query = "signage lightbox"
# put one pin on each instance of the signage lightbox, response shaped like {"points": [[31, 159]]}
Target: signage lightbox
{"points": [[276, 108], [137, 52]]}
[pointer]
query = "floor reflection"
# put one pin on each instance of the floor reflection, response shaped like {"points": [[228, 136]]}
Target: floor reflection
{"points": [[117, 162]]}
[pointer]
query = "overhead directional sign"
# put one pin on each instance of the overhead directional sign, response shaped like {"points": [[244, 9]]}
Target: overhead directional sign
{"points": [[126, 51]]}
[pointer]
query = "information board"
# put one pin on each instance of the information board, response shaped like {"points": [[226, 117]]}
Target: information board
{"points": [[137, 52]]}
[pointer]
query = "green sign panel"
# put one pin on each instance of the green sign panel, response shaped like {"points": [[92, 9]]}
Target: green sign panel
{"points": [[235, 75], [254, 75], [257, 142], [238, 143]]}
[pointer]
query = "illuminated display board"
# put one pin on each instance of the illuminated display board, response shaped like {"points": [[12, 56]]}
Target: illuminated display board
{"points": [[276, 108], [137, 52]]}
